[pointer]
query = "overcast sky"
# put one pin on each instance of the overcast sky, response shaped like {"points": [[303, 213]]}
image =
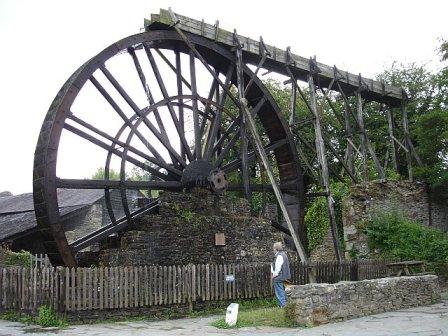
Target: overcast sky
{"points": [[43, 42]]}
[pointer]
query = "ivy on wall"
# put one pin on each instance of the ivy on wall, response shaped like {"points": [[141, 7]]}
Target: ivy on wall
{"points": [[316, 217]]}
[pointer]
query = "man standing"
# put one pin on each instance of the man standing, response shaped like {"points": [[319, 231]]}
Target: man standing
{"points": [[280, 273]]}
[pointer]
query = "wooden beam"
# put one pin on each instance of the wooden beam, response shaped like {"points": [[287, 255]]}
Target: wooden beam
{"points": [[276, 59], [407, 139], [322, 158], [391, 126]]}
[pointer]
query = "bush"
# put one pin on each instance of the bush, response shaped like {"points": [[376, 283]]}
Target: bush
{"points": [[397, 237], [10, 258], [48, 318]]}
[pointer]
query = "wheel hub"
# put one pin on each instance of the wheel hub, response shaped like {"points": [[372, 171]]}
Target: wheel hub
{"points": [[200, 174]]}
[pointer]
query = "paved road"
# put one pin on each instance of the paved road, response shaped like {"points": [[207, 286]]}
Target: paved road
{"points": [[422, 321]]}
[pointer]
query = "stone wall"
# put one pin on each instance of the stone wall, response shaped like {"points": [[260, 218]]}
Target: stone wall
{"points": [[413, 199], [315, 304], [183, 231]]}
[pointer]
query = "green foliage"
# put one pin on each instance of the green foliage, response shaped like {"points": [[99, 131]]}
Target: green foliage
{"points": [[185, 214], [427, 112], [100, 174], [397, 237], [431, 133], [317, 218], [10, 258], [48, 318]]}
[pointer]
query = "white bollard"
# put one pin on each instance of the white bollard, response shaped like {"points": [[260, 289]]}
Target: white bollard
{"points": [[232, 314]]}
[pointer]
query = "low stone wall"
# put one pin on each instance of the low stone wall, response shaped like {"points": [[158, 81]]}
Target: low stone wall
{"points": [[315, 304]]}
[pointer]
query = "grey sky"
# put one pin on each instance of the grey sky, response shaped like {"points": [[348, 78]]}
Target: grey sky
{"points": [[43, 42]]}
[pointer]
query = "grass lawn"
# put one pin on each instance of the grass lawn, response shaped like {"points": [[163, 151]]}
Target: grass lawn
{"points": [[272, 316]]}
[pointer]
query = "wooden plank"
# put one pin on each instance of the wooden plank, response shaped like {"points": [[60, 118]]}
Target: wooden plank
{"points": [[225, 292], [101, 291], [165, 285], [73, 303], [140, 287], [207, 282], [84, 288], [130, 286], [78, 272], [151, 286], [174, 284], [160, 284], [157, 282], [170, 285], [96, 288], [135, 286], [91, 284], [277, 59], [106, 280], [116, 290], [125, 287], [179, 284], [146, 286]]}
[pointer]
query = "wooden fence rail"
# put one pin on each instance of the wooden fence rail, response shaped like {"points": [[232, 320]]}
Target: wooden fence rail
{"points": [[75, 289]]}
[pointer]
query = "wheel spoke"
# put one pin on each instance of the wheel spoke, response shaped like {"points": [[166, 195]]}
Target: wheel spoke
{"points": [[234, 126], [179, 79], [149, 95], [134, 150], [197, 136], [225, 151], [117, 152], [207, 110], [217, 120], [164, 91], [176, 68], [115, 184], [127, 121], [235, 164], [207, 66], [160, 136]]}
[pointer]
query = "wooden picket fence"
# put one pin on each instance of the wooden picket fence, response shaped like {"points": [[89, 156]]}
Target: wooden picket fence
{"points": [[75, 289]]}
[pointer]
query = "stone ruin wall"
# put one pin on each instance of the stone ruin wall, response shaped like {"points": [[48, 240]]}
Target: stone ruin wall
{"points": [[183, 231], [415, 200]]}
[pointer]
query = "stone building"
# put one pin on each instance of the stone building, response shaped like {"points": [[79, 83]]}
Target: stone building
{"points": [[82, 211]]}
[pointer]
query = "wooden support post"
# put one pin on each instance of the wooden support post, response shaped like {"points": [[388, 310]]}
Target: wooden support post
{"points": [[243, 135], [390, 119], [365, 142], [406, 136], [322, 158], [349, 134], [252, 127], [362, 136], [292, 117]]}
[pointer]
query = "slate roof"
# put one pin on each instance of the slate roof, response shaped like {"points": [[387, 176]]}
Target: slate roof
{"points": [[66, 198], [17, 212]]}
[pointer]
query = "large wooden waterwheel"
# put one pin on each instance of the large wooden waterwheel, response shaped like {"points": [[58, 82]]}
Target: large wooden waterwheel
{"points": [[147, 103]]}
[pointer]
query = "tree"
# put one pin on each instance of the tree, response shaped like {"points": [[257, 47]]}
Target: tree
{"points": [[100, 174], [428, 113]]}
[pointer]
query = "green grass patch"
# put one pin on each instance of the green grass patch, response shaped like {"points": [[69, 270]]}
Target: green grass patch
{"points": [[272, 317]]}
